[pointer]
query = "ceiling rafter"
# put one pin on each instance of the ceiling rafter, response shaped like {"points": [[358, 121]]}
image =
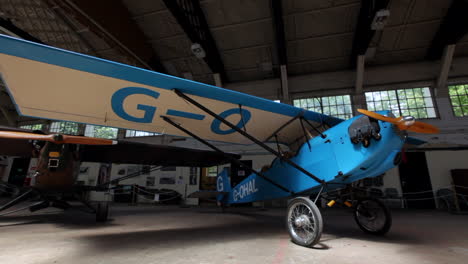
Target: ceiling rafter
{"points": [[10, 28], [364, 33], [452, 28], [118, 29], [279, 31], [191, 18]]}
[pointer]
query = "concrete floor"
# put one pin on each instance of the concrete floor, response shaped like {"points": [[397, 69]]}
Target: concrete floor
{"points": [[169, 234]]}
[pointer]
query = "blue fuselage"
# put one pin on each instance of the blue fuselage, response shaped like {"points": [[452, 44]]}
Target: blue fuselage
{"points": [[334, 159]]}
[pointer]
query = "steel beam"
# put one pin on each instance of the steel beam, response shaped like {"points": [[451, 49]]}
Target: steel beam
{"points": [[9, 28], [364, 33], [446, 62], [118, 29], [452, 28], [191, 18]]}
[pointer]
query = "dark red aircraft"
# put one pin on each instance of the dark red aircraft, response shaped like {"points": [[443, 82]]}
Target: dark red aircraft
{"points": [[59, 157]]}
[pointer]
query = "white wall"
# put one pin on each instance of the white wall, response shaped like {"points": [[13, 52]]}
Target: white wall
{"points": [[179, 186], [441, 162]]}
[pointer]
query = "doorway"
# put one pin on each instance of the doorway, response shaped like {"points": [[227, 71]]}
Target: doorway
{"points": [[18, 172], [239, 173], [416, 182]]}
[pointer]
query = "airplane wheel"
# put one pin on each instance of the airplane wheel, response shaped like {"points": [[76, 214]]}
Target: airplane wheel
{"points": [[373, 217], [102, 211], [304, 222]]}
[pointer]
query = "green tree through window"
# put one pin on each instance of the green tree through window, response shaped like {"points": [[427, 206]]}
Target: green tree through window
{"points": [[459, 98], [68, 128], [415, 102], [101, 132], [338, 106]]}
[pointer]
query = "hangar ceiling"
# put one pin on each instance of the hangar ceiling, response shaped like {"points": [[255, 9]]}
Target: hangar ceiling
{"points": [[319, 36]]}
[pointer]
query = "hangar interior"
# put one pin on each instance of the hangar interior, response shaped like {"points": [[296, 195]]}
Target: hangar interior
{"points": [[328, 56]]}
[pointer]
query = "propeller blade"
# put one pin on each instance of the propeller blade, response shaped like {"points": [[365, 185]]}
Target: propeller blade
{"points": [[421, 127], [374, 115], [87, 140], [57, 138], [25, 135], [406, 123]]}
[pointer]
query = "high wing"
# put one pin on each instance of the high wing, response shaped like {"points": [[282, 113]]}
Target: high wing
{"points": [[127, 152], [51, 83]]}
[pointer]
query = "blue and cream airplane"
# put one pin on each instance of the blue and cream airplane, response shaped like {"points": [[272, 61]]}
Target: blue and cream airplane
{"points": [[324, 152]]}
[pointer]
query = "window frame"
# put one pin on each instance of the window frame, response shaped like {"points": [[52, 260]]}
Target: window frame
{"points": [[154, 134], [94, 127], [79, 128], [450, 98], [432, 97], [344, 115]]}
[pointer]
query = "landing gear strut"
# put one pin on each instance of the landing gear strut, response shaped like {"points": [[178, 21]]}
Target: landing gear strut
{"points": [[304, 222]]}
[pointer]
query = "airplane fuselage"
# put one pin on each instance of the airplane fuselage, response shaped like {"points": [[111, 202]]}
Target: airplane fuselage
{"points": [[334, 159]]}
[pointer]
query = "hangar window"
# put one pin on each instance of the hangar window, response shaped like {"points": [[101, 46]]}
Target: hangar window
{"points": [[415, 102], [212, 171], [135, 133], [338, 106], [101, 132], [68, 128], [459, 98], [33, 127]]}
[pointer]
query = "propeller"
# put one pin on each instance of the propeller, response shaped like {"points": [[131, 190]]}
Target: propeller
{"points": [[57, 138], [403, 123]]}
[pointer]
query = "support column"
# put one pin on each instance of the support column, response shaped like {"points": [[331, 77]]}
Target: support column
{"points": [[359, 100], [217, 79], [285, 85], [441, 89]]}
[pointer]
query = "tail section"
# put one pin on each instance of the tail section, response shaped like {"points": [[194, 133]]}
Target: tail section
{"points": [[223, 185]]}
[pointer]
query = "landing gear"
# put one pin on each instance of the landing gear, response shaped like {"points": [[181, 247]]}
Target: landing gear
{"points": [[102, 211], [372, 216], [304, 222]]}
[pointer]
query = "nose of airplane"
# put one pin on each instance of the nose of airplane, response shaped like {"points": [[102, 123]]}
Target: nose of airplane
{"points": [[403, 123]]}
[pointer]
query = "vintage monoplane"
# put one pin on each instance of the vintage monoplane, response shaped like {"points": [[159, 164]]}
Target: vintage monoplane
{"points": [[324, 153]]}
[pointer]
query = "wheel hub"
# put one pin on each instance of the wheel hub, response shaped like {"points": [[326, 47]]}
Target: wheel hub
{"points": [[301, 221]]}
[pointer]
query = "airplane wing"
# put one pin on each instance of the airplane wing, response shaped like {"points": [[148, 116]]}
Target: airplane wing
{"points": [[123, 151], [149, 154], [51, 83]]}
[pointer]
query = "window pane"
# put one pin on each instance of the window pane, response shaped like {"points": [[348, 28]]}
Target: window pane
{"points": [[330, 105], [135, 133], [101, 132], [68, 128], [459, 99], [415, 101]]}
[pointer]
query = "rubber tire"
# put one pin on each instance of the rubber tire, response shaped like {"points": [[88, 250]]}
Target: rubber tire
{"points": [[388, 217], [315, 212], [102, 212]]}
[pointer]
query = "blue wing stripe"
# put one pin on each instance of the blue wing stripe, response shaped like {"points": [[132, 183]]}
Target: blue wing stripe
{"points": [[42, 53]]}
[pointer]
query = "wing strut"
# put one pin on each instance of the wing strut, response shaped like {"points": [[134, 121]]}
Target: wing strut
{"points": [[234, 160], [245, 134]]}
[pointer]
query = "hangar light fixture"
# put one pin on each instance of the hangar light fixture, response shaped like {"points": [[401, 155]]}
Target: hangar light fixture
{"points": [[198, 50], [380, 19]]}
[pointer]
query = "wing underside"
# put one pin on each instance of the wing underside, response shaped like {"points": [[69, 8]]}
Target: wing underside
{"points": [[123, 151], [50, 83]]}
